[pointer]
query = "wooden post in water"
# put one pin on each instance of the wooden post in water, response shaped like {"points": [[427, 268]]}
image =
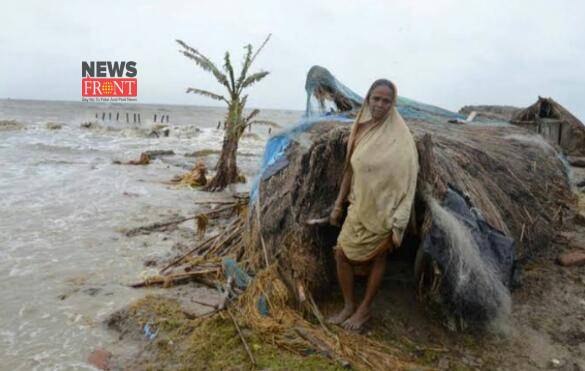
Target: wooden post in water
{"points": [[139, 118], [155, 117], [110, 116], [117, 115], [96, 115], [134, 117], [103, 116], [127, 117]]}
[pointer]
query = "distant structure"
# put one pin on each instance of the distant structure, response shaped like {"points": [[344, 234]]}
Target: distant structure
{"points": [[136, 118], [555, 123]]}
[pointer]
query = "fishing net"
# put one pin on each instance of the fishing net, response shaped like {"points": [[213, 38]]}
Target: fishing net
{"points": [[476, 259]]}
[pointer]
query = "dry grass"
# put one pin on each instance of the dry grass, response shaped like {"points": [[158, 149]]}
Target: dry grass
{"points": [[293, 327]]}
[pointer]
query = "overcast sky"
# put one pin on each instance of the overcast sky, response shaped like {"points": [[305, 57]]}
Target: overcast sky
{"points": [[443, 52]]}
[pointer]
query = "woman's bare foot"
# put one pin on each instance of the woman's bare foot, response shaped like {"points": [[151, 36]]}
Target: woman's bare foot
{"points": [[345, 313], [357, 320]]}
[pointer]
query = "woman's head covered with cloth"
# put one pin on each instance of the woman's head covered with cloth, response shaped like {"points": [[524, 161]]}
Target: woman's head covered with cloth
{"points": [[380, 171], [384, 164]]}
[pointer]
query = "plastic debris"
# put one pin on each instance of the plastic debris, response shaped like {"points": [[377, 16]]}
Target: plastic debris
{"points": [[149, 332], [231, 269], [262, 306]]}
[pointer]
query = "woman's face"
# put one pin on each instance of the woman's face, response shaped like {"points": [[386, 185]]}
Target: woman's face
{"points": [[380, 101]]}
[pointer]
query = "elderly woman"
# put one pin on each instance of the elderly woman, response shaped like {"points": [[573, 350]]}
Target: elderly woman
{"points": [[379, 183]]}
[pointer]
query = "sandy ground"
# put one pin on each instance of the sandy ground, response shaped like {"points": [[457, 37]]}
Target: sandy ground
{"points": [[546, 330]]}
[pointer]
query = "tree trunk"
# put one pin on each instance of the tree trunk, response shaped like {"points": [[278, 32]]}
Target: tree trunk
{"points": [[227, 170]]}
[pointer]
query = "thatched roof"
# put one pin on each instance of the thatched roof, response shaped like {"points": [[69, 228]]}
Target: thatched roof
{"points": [[496, 113], [555, 123], [545, 107]]}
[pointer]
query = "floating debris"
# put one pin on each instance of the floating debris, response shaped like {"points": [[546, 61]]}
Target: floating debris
{"points": [[143, 160], [10, 125], [194, 178]]}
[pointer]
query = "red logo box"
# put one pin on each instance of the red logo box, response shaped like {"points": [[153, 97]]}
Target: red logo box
{"points": [[91, 87]]}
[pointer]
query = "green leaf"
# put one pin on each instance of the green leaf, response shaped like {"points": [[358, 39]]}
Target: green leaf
{"points": [[227, 66], [248, 60], [260, 48], [250, 80], [252, 114], [207, 94], [205, 63], [245, 66]]}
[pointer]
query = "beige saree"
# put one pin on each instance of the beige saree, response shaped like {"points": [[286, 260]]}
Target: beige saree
{"points": [[385, 166]]}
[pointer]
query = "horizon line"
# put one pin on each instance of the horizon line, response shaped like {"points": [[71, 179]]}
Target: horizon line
{"points": [[145, 103]]}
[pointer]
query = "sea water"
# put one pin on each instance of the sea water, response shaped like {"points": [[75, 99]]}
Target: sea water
{"points": [[64, 265]]}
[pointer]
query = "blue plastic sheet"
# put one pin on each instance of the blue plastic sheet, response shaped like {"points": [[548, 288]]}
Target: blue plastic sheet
{"points": [[149, 332], [231, 269], [274, 158]]}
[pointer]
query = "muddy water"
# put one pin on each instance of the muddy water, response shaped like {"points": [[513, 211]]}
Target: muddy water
{"points": [[64, 264]]}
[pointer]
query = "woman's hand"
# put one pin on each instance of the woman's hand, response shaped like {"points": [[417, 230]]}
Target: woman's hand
{"points": [[335, 216]]}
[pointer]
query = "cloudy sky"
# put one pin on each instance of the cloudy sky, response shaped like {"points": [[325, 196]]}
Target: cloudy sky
{"points": [[443, 52]]}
